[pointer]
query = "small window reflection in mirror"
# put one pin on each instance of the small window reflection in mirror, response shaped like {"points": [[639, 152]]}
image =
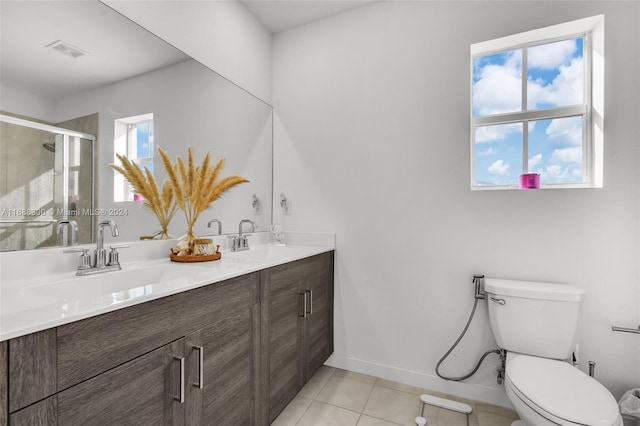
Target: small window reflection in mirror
{"points": [[133, 137]]}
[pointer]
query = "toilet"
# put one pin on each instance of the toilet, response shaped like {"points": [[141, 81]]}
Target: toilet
{"points": [[537, 324]]}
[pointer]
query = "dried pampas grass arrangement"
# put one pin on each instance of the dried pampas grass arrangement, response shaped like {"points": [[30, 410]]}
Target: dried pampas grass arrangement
{"points": [[161, 203], [188, 188], [195, 188]]}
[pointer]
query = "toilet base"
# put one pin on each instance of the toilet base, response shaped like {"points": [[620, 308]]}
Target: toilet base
{"points": [[518, 423]]}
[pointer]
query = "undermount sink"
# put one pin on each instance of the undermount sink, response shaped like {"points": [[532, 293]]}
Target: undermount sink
{"points": [[261, 254], [134, 282], [70, 294], [12, 303]]}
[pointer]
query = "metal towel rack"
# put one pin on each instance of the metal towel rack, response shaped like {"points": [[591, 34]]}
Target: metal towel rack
{"points": [[626, 330], [28, 221]]}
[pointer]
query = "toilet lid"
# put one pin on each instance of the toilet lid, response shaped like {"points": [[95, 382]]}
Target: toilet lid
{"points": [[561, 390]]}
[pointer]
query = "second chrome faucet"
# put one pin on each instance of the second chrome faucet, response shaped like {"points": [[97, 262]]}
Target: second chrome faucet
{"points": [[240, 242], [99, 264]]}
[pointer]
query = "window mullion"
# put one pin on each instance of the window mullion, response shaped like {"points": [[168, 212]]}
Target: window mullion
{"points": [[525, 147], [524, 71], [540, 114], [525, 124]]}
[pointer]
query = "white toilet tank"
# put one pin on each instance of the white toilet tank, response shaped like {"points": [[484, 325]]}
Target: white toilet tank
{"points": [[534, 318]]}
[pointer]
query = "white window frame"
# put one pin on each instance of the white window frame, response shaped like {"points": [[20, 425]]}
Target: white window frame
{"points": [[591, 110], [123, 130]]}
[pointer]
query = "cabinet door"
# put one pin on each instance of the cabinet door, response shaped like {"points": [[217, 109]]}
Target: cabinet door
{"points": [[32, 368], [282, 334], [42, 413], [297, 321], [223, 362], [317, 336], [144, 391]]}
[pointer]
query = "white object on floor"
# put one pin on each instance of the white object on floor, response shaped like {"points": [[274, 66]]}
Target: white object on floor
{"points": [[518, 423], [447, 404]]}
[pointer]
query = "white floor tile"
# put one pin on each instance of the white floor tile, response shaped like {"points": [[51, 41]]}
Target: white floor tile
{"points": [[293, 412], [320, 414], [346, 393], [372, 421], [317, 382], [393, 406]]}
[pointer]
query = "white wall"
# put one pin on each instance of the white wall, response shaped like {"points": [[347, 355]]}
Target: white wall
{"points": [[223, 35], [191, 106], [22, 102], [372, 142]]}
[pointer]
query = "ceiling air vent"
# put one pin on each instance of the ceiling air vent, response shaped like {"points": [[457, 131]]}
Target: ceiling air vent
{"points": [[66, 49]]}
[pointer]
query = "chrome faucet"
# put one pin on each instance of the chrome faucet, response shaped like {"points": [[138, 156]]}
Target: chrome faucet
{"points": [[239, 242], [100, 263], [100, 254], [219, 225], [74, 230], [242, 222]]}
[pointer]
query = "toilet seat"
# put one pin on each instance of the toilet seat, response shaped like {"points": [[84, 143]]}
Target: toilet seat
{"points": [[559, 392]]}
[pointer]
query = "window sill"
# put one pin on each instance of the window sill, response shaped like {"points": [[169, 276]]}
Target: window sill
{"points": [[542, 187]]}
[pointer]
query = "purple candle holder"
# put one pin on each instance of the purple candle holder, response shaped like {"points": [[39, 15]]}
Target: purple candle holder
{"points": [[530, 181]]}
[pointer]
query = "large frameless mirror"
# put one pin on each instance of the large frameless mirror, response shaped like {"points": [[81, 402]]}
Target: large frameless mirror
{"points": [[80, 82]]}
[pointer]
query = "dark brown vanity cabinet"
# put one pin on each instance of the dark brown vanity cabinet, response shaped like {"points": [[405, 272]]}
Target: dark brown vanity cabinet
{"points": [[144, 391], [4, 384], [223, 362], [297, 327], [193, 358]]}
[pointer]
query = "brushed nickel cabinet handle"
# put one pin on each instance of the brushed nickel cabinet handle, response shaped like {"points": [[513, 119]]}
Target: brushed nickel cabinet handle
{"points": [[200, 383], [180, 397], [310, 301], [304, 304]]}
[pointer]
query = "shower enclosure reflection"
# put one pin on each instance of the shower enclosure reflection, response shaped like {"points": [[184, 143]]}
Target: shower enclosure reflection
{"points": [[47, 176]]}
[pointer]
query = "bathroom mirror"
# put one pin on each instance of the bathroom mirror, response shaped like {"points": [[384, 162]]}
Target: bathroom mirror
{"points": [[81, 67]]}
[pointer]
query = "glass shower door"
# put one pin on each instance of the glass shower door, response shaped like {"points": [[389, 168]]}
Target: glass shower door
{"points": [[46, 175]]}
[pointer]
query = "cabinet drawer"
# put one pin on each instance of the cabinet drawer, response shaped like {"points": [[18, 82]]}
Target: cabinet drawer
{"points": [[91, 346], [294, 272]]}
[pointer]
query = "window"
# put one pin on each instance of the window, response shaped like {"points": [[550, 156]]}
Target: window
{"points": [[536, 107], [133, 138]]}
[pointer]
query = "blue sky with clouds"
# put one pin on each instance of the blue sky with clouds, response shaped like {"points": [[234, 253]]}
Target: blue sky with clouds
{"points": [[554, 78]]}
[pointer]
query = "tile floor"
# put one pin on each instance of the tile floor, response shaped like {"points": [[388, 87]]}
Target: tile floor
{"points": [[335, 397]]}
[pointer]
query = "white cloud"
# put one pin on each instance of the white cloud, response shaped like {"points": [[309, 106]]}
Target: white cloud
{"points": [[567, 87], [499, 167], [499, 87], [554, 172], [567, 155], [566, 130], [497, 132], [552, 55], [535, 161], [486, 153], [558, 173]]}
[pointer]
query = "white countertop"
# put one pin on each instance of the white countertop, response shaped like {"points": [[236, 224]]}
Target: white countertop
{"points": [[30, 305]]}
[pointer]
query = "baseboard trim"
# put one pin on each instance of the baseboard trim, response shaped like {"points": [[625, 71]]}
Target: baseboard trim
{"points": [[427, 381]]}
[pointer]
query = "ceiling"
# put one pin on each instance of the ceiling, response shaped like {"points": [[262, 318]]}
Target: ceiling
{"points": [[111, 42], [282, 15]]}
